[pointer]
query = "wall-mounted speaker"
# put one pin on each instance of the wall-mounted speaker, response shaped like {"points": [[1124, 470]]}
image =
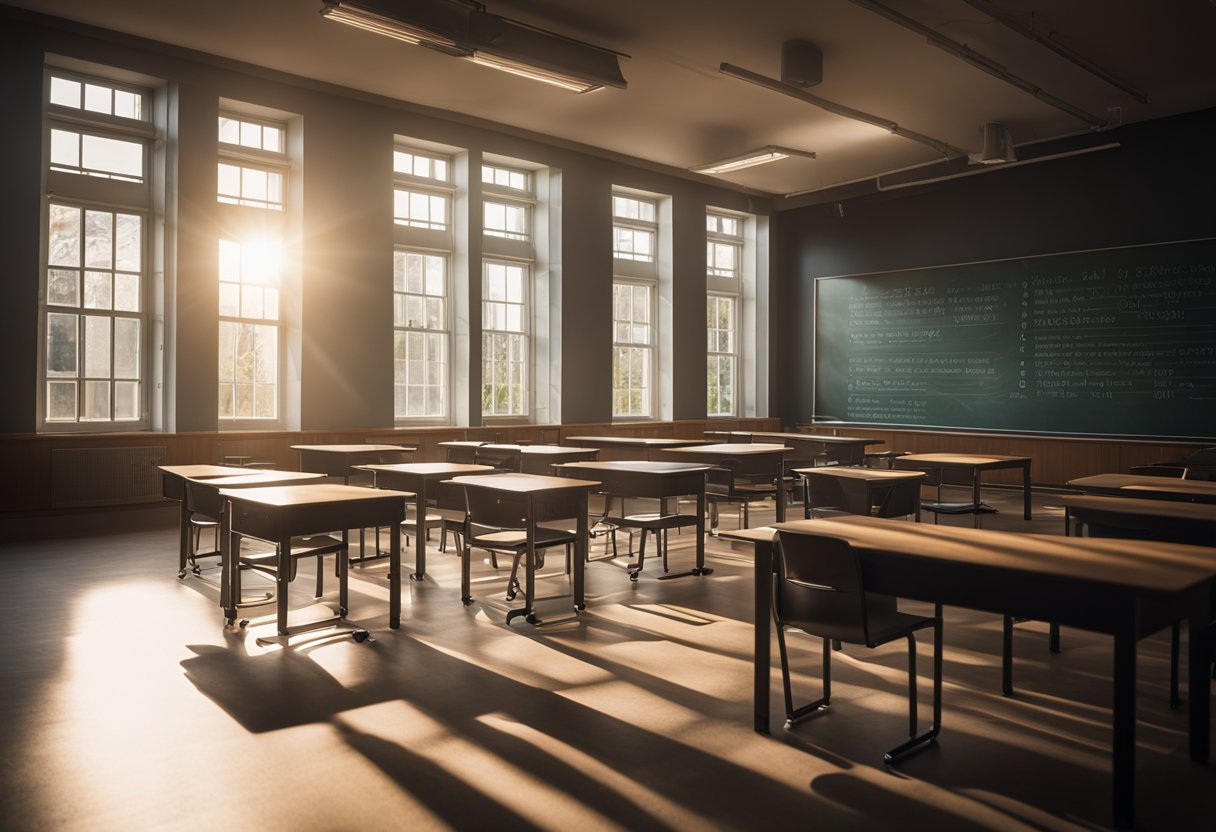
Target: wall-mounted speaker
{"points": [[801, 63]]}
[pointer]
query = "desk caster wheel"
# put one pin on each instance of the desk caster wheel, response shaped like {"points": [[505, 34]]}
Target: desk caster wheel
{"points": [[633, 576], [361, 636], [532, 619], [244, 623], [467, 601], [196, 570], [181, 574], [342, 613], [228, 622]]}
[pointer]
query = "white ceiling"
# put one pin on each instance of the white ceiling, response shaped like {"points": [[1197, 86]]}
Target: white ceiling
{"points": [[679, 110]]}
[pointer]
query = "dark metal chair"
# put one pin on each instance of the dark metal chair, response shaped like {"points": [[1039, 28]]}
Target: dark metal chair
{"points": [[819, 589], [740, 480]]}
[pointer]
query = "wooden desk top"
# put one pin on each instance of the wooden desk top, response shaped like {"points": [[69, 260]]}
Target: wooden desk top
{"points": [[637, 441], [286, 496], [968, 460], [258, 479], [733, 449], [427, 469], [463, 443], [1156, 485], [1174, 509], [524, 483], [814, 437], [866, 474], [1138, 564], [352, 449], [638, 466], [198, 472], [538, 450]]}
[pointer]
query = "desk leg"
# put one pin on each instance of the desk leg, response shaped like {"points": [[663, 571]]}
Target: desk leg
{"points": [[282, 582], [529, 572], [183, 538], [581, 551], [763, 617], [1026, 491], [780, 489], [394, 580], [229, 547], [420, 533], [1199, 688], [701, 569], [1124, 740]]}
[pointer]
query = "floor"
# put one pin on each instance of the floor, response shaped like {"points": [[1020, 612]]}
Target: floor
{"points": [[125, 704]]}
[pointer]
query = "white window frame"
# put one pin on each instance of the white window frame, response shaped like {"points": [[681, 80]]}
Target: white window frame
{"points": [[724, 229], [647, 350], [520, 406], [244, 158], [84, 191], [717, 357], [404, 327], [247, 287]]}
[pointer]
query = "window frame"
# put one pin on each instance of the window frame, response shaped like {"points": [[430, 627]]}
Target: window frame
{"points": [[649, 348], [445, 332], [728, 284], [276, 323], [526, 335], [716, 356]]}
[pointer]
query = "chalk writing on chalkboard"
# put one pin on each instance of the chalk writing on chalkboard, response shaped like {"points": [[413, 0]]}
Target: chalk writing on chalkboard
{"points": [[1104, 342]]}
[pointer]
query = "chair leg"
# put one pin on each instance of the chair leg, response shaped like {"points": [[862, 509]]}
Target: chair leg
{"points": [[792, 714], [915, 742], [513, 583], [321, 575], [633, 573], [665, 569]]}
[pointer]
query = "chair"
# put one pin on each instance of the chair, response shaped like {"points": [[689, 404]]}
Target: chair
{"points": [[1198, 465], [658, 522], [497, 522], [737, 480], [500, 458], [820, 590], [266, 562]]}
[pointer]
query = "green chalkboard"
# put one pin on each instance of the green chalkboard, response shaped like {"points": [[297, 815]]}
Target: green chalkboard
{"points": [[1106, 342]]}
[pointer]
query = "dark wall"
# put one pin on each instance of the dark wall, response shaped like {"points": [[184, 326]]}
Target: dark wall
{"points": [[1155, 187]]}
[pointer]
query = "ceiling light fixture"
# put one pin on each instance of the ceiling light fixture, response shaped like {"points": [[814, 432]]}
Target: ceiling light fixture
{"points": [[763, 156], [464, 29]]}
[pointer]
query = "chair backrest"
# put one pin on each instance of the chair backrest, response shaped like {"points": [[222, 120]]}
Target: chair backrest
{"points": [[898, 499], [819, 588], [485, 507]]}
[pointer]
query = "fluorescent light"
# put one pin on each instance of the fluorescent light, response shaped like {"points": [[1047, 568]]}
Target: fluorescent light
{"points": [[363, 18], [556, 79], [748, 160]]}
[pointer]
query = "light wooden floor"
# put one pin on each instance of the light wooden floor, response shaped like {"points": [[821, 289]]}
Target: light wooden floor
{"points": [[126, 705]]}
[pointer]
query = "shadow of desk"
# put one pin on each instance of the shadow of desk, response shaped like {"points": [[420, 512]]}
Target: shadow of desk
{"points": [[1126, 589]]}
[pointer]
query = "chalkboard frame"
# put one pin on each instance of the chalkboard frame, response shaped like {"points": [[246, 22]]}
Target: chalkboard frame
{"points": [[844, 422]]}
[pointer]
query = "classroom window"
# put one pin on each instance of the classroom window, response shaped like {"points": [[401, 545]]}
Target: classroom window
{"points": [[94, 315], [516, 180], [250, 274], [420, 334], [420, 209], [251, 135], [93, 305], [256, 187], [505, 324], [422, 165], [506, 219], [721, 324], [632, 349]]}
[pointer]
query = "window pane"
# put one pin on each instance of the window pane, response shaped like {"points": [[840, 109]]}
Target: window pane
{"points": [[97, 99], [96, 348], [126, 348], [128, 104], [126, 400], [127, 242], [272, 139], [97, 290], [96, 401], [227, 341], [65, 92], [126, 292], [62, 287], [65, 148], [253, 184], [229, 180], [64, 243], [112, 156], [251, 134], [251, 301], [230, 300], [61, 401], [62, 336], [99, 239], [270, 304]]}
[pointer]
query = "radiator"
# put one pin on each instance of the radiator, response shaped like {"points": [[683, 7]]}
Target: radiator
{"points": [[105, 476]]}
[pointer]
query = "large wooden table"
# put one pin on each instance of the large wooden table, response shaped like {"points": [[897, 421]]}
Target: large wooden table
{"points": [[973, 465], [173, 487], [652, 480], [547, 498], [762, 454], [843, 450], [628, 448], [420, 478], [1152, 488], [276, 514], [1127, 589]]}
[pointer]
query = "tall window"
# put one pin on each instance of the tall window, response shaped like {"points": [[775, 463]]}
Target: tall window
{"points": [[724, 259], [249, 332], [508, 202], [505, 314], [421, 280], [252, 174], [94, 300], [635, 235]]}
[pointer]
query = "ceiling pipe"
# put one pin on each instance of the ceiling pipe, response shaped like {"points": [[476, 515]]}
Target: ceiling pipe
{"points": [[839, 109], [981, 62], [1048, 40]]}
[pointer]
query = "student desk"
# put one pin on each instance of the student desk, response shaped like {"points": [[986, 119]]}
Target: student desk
{"points": [[1127, 589], [652, 480], [462, 451], [628, 448], [840, 450], [973, 465], [858, 490], [336, 460], [760, 456], [540, 459], [1152, 488], [173, 487], [547, 498], [420, 478], [276, 514]]}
